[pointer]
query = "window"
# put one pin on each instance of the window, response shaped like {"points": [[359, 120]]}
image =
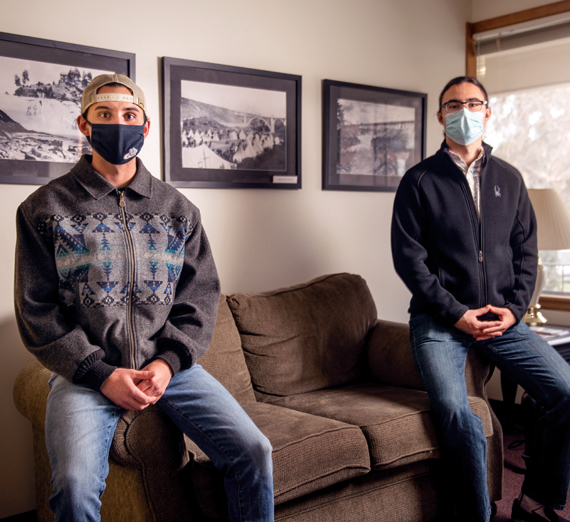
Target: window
{"points": [[529, 95], [531, 129]]}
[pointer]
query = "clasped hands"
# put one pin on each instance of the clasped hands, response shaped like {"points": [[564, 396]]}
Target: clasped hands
{"points": [[136, 389], [483, 330]]}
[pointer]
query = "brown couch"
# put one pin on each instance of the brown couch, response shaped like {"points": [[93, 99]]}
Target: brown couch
{"points": [[334, 389]]}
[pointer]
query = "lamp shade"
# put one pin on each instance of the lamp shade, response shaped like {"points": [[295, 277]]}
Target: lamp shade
{"points": [[552, 218]]}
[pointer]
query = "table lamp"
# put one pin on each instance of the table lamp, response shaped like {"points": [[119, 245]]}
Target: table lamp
{"points": [[553, 234]]}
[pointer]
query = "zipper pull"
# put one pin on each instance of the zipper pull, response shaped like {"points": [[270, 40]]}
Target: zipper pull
{"points": [[122, 199], [480, 256]]}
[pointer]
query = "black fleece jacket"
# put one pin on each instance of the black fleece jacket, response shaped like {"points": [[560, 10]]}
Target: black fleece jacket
{"points": [[449, 259]]}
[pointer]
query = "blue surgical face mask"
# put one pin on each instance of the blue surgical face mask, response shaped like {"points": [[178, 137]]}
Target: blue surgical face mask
{"points": [[118, 144], [464, 126]]}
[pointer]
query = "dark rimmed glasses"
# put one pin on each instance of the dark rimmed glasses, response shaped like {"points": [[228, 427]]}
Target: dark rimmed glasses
{"points": [[456, 105]]}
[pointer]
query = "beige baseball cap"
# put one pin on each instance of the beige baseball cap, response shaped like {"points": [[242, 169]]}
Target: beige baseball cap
{"points": [[90, 95]]}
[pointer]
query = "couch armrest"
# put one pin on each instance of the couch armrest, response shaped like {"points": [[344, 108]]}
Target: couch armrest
{"points": [[131, 444], [147, 449], [150, 442], [30, 393], [391, 361], [390, 356]]}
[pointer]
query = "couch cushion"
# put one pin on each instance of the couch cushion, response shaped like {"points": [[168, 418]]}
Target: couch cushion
{"points": [[306, 337], [309, 453], [225, 360], [396, 421]]}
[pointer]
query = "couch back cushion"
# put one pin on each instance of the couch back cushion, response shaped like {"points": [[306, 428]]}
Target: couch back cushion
{"points": [[306, 337], [225, 360]]}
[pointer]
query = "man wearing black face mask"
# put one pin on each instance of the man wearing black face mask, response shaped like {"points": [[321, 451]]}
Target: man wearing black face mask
{"points": [[464, 243], [117, 294], [114, 120]]}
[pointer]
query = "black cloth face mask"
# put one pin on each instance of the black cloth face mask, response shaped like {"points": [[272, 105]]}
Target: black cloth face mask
{"points": [[116, 143]]}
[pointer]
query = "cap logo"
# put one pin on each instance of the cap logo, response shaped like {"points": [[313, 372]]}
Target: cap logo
{"points": [[113, 96]]}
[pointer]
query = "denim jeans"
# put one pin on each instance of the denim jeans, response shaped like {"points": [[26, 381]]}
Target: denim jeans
{"points": [[440, 353], [80, 424]]}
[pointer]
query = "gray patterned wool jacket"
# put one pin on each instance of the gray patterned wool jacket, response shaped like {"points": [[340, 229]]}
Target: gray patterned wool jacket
{"points": [[108, 278]]}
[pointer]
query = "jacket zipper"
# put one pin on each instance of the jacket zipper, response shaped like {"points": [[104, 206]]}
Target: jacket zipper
{"points": [[132, 281], [478, 233], [481, 257], [482, 276]]}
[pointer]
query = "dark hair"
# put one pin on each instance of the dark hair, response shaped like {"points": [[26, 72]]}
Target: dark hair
{"points": [[458, 81]]}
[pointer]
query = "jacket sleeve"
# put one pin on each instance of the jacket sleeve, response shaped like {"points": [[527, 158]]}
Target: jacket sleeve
{"points": [[188, 331], [411, 257], [523, 244], [58, 343]]}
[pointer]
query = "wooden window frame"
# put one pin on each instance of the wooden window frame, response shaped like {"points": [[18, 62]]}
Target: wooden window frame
{"points": [[554, 302], [550, 302], [504, 21]]}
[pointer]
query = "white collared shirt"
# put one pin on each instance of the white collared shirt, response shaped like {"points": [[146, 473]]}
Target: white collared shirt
{"points": [[472, 173]]}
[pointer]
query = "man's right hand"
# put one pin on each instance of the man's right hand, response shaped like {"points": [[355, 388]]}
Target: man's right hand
{"points": [[121, 388], [471, 325]]}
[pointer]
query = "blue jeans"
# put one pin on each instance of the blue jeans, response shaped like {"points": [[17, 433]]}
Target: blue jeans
{"points": [[80, 424], [440, 353]]}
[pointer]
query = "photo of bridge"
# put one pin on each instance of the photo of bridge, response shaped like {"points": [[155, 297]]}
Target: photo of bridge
{"points": [[230, 127], [374, 139]]}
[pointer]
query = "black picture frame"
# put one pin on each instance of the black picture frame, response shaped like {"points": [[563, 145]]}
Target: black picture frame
{"points": [[37, 125], [230, 127], [371, 135]]}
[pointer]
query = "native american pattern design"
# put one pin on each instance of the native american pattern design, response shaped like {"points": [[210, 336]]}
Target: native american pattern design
{"points": [[93, 257]]}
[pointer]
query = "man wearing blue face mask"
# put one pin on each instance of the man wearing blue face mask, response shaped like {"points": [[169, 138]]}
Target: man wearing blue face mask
{"points": [[117, 294], [464, 243]]}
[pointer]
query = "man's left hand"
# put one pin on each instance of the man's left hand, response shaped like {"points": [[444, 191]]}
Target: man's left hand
{"points": [[506, 320], [155, 387]]}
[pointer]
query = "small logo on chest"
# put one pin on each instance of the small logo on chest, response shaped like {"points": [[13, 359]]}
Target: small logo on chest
{"points": [[497, 191]]}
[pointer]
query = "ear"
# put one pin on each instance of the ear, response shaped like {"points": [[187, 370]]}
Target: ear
{"points": [[146, 129], [83, 126], [487, 115], [440, 118]]}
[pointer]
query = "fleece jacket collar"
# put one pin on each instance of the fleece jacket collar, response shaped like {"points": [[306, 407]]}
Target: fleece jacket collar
{"points": [[97, 186], [486, 148]]}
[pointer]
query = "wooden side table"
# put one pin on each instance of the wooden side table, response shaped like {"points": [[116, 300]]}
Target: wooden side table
{"points": [[556, 336]]}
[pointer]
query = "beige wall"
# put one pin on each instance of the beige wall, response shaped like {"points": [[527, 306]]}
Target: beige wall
{"points": [[261, 239]]}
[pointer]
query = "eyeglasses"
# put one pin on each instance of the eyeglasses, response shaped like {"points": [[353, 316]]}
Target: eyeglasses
{"points": [[456, 105]]}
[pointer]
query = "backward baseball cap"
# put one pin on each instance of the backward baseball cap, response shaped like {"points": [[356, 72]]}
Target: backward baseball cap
{"points": [[90, 95]]}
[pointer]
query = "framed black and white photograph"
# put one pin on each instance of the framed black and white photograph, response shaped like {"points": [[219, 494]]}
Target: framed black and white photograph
{"points": [[230, 127], [371, 135], [41, 83]]}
